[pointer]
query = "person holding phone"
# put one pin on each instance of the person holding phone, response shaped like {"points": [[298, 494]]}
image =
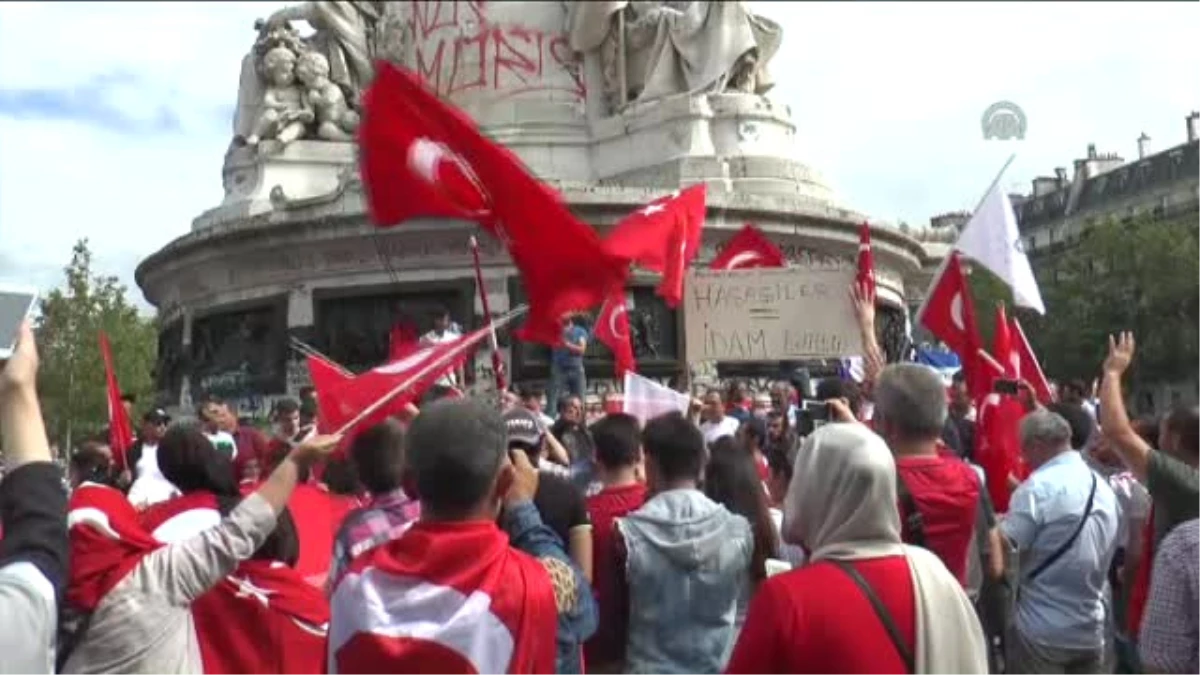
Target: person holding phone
{"points": [[33, 501]]}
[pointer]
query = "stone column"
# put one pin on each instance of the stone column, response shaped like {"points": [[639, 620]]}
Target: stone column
{"points": [[299, 326], [185, 396]]}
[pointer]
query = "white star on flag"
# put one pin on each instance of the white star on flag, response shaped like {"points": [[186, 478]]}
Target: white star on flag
{"points": [[247, 589]]}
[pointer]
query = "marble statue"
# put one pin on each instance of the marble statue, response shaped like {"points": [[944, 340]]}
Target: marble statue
{"points": [[345, 35], [652, 50], [295, 87], [334, 119]]}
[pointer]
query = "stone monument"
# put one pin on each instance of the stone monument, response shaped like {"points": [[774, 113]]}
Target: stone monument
{"points": [[611, 102]]}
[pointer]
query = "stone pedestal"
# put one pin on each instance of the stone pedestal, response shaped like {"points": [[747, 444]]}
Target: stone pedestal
{"points": [[736, 142], [258, 180]]}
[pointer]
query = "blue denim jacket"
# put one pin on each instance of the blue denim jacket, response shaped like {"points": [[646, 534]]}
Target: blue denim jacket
{"points": [[528, 533]]}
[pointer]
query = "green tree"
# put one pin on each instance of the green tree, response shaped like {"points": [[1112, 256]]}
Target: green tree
{"points": [[71, 378], [1137, 275]]}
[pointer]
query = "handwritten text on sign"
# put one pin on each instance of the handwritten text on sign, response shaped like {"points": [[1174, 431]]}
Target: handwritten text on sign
{"points": [[769, 314]]}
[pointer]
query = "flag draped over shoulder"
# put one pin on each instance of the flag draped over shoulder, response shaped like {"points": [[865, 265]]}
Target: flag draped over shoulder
{"points": [[263, 618], [748, 249], [445, 598], [422, 158], [107, 540]]}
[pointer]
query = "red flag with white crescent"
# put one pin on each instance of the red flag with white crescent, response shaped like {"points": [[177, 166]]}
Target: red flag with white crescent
{"points": [[423, 158], [663, 236], [612, 329], [748, 249], [1031, 370]]}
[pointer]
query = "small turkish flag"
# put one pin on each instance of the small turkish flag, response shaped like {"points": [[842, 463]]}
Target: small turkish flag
{"points": [[612, 329], [949, 311], [1031, 370], [748, 249], [664, 237], [866, 261], [1003, 347], [120, 428], [421, 157]]}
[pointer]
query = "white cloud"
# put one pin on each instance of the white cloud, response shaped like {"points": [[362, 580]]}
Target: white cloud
{"points": [[887, 99]]}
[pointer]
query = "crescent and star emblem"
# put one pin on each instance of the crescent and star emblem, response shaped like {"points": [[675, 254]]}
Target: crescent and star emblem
{"points": [[742, 259], [424, 158], [617, 312], [956, 312]]}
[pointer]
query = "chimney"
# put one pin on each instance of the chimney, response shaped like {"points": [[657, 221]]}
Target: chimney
{"points": [[1191, 126], [1143, 146], [1044, 185], [1060, 173], [1091, 151]]}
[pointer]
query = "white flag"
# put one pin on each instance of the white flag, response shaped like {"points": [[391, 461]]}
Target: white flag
{"points": [[992, 240], [646, 399]]}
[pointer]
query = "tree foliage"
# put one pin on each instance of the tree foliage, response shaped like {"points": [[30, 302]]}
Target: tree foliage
{"points": [[1138, 275], [71, 377]]}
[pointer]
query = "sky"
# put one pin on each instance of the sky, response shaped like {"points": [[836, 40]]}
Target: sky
{"points": [[114, 118]]}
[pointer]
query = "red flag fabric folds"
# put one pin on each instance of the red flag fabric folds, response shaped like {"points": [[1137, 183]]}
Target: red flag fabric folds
{"points": [[1030, 369], [612, 329], [664, 237], [107, 540], [866, 260], [748, 249], [1002, 346], [444, 598], [120, 428], [421, 157]]}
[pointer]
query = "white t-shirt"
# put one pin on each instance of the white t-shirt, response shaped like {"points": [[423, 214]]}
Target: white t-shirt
{"points": [[432, 338], [150, 487], [728, 426], [789, 553]]}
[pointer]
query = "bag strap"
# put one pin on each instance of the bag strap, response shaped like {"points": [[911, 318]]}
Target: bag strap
{"points": [[885, 617], [914, 522], [1066, 546]]}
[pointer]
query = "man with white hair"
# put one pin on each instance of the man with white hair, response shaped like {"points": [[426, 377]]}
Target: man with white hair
{"points": [[1064, 523]]}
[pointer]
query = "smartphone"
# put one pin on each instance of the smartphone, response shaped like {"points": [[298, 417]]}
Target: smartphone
{"points": [[818, 411], [16, 303], [1010, 387], [775, 566]]}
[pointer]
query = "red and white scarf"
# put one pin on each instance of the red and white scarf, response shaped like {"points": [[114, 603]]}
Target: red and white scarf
{"points": [[447, 598]]}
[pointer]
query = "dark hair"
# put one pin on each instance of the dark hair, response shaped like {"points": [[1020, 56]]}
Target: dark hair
{"points": [[617, 439], [528, 391], [283, 544], [187, 458], [129, 398], [731, 479], [675, 446], [563, 400], [1082, 424], [959, 376], [757, 429], [306, 392], [1183, 422], [455, 449], [440, 312], [781, 460], [341, 477], [209, 399], [91, 464], [836, 387], [1074, 386], [286, 406], [378, 454]]}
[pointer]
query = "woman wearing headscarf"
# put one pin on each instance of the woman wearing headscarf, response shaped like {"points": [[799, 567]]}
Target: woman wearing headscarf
{"points": [[865, 602]]}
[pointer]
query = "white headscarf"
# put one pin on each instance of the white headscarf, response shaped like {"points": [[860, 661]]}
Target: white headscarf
{"points": [[841, 505]]}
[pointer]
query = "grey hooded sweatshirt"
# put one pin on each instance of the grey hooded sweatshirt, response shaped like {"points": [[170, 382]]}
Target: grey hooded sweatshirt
{"points": [[688, 560]]}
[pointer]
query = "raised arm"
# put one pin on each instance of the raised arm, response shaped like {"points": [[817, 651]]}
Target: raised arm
{"points": [[184, 571], [863, 300], [1114, 421]]}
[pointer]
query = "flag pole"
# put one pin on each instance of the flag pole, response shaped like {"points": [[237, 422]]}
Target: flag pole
{"points": [[425, 371], [497, 363], [954, 250], [308, 350]]}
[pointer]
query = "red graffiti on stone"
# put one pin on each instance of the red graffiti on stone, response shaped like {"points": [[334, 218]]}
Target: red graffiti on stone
{"points": [[459, 50]]}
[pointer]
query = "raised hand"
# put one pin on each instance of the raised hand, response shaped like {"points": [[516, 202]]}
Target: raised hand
{"points": [[1120, 353]]}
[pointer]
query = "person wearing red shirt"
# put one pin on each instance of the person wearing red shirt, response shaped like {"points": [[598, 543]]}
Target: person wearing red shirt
{"points": [[617, 438], [942, 501], [866, 603]]}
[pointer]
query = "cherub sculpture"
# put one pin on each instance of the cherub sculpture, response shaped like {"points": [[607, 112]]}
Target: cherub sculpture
{"points": [[335, 120], [285, 114]]}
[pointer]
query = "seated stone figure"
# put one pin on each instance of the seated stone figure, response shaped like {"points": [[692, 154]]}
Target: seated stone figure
{"points": [[335, 120], [285, 114]]}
